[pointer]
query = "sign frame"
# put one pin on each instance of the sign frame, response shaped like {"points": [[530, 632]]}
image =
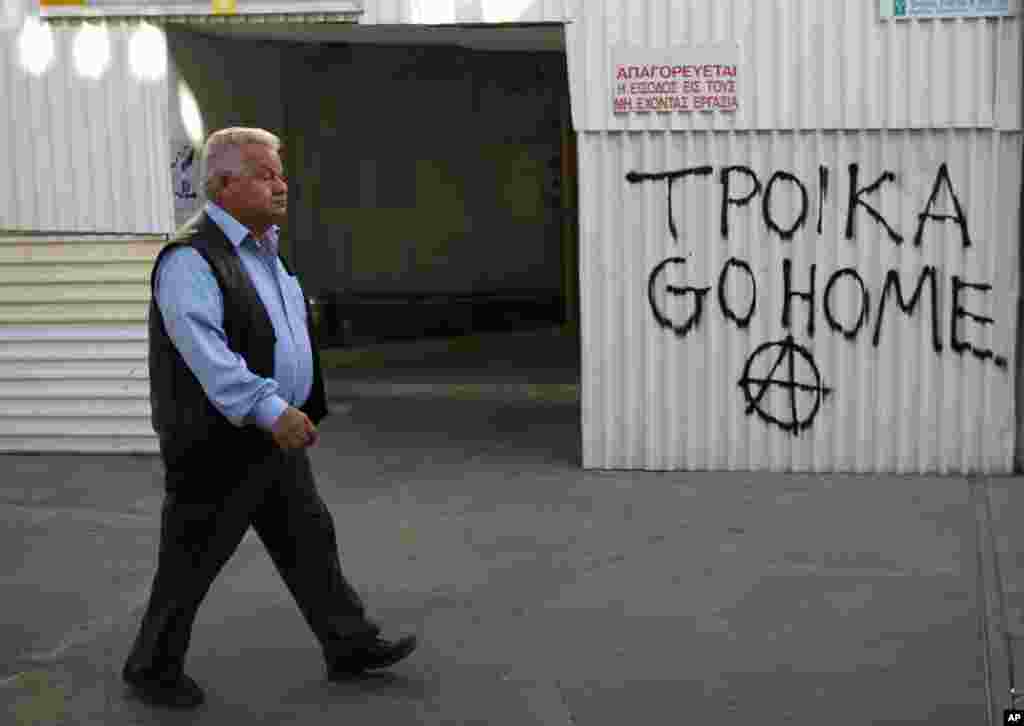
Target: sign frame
{"points": [[947, 9]]}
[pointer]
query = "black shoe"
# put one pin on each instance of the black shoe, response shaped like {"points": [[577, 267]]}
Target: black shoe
{"points": [[182, 693], [370, 654]]}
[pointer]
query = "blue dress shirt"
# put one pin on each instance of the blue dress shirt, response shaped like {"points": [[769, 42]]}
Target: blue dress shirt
{"points": [[192, 306]]}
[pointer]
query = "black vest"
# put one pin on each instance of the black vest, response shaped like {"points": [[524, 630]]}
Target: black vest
{"points": [[193, 434]]}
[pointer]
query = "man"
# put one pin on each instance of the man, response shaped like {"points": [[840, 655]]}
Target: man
{"points": [[237, 393]]}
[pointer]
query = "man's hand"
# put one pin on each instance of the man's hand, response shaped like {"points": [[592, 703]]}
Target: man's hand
{"points": [[294, 430]]}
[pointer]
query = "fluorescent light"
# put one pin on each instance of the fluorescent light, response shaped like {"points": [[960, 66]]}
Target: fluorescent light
{"points": [[147, 53], [91, 51], [433, 12], [191, 116], [504, 11], [35, 46]]}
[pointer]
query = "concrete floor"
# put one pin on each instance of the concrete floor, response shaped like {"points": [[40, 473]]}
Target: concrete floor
{"points": [[542, 593]]}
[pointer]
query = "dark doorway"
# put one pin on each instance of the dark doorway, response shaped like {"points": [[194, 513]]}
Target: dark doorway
{"points": [[435, 211]]}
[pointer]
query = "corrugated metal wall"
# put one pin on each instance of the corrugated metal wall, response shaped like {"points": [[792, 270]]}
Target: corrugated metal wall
{"points": [[655, 397], [87, 163], [809, 64], [83, 156], [73, 370], [824, 84]]}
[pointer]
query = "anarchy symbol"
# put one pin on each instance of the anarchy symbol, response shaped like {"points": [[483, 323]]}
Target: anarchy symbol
{"points": [[796, 389]]}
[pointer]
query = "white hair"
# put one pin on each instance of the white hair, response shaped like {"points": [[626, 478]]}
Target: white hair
{"points": [[222, 154]]}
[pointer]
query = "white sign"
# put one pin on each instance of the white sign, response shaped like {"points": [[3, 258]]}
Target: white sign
{"points": [[945, 8], [681, 79]]}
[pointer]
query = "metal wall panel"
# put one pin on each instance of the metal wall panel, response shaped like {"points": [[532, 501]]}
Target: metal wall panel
{"points": [[657, 397], [73, 350], [808, 64], [402, 12], [83, 156]]}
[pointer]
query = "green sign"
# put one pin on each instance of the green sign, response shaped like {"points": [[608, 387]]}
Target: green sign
{"points": [[946, 8]]}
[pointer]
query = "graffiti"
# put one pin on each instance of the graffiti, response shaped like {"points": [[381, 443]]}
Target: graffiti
{"points": [[788, 418], [682, 329], [790, 293], [182, 170], [766, 205], [865, 304], [670, 177], [856, 200], [681, 308], [958, 345], [850, 330], [822, 193], [727, 200], [958, 218], [727, 310], [892, 282]]}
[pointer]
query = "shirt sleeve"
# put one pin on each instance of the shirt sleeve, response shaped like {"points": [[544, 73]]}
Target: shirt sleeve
{"points": [[192, 307]]}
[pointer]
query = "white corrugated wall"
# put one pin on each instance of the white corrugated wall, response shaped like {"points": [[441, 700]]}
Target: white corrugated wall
{"points": [[809, 64], [84, 191], [82, 155], [73, 353], [824, 84], [655, 397]]}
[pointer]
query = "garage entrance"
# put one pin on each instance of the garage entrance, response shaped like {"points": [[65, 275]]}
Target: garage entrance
{"points": [[432, 182]]}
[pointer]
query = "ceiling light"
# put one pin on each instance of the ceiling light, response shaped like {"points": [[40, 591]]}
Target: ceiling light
{"points": [[91, 51], [35, 46], [433, 12], [504, 11], [191, 116], [147, 53]]}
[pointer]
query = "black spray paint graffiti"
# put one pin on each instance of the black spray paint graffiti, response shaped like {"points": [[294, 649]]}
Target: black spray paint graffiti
{"points": [[790, 418], [740, 185]]}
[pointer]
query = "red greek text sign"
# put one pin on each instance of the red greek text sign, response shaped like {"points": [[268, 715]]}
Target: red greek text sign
{"points": [[704, 78]]}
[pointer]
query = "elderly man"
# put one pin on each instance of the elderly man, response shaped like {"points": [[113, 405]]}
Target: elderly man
{"points": [[237, 393]]}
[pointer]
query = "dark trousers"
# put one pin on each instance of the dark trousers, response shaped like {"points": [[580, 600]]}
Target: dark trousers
{"points": [[201, 527]]}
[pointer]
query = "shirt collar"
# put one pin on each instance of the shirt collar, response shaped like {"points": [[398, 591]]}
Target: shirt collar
{"points": [[235, 230]]}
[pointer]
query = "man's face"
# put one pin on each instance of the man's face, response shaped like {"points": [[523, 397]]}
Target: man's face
{"points": [[258, 197]]}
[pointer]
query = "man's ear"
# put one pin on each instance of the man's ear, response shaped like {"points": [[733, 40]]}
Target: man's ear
{"points": [[225, 179]]}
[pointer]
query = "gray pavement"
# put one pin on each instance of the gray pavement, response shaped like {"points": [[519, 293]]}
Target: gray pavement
{"points": [[542, 593]]}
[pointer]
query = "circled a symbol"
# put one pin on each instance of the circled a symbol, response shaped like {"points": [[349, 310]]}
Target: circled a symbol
{"points": [[800, 391]]}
